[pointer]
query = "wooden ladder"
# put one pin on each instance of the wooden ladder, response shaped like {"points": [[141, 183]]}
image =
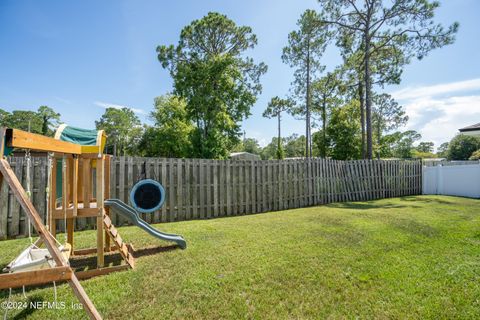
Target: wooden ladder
{"points": [[115, 236]]}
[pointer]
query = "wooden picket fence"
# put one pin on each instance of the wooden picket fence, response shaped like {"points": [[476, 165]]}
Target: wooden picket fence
{"points": [[202, 189]]}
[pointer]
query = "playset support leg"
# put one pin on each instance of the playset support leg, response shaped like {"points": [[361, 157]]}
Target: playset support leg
{"points": [[53, 199], [107, 196], [75, 186], [100, 196]]}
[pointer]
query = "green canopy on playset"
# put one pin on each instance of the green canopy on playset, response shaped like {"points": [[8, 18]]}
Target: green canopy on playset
{"points": [[84, 137]]}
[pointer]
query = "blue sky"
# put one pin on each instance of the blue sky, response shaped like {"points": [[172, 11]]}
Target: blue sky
{"points": [[79, 57]]}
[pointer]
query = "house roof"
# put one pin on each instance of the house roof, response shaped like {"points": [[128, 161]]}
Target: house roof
{"points": [[473, 127]]}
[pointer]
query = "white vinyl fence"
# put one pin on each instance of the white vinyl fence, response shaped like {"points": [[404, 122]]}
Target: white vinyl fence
{"points": [[453, 180]]}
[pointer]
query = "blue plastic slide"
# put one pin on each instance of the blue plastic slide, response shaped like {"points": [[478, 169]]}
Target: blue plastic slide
{"points": [[128, 212]]}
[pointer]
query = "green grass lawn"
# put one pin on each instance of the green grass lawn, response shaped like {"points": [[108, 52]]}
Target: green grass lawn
{"points": [[411, 257]]}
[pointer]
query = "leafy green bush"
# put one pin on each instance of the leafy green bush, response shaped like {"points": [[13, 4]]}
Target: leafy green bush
{"points": [[462, 146]]}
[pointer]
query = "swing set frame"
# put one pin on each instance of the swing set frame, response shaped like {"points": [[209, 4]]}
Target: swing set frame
{"points": [[78, 200]]}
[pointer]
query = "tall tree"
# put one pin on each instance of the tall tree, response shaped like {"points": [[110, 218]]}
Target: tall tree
{"points": [[404, 144], [387, 62], [124, 129], [404, 25], [326, 97], [251, 145], [295, 146], [442, 150], [43, 121], [218, 83], [343, 131], [303, 52], [23, 120], [50, 119], [425, 146], [388, 115], [170, 136], [274, 110]]}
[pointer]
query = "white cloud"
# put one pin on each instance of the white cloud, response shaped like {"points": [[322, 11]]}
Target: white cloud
{"points": [[118, 106], [435, 90], [438, 111]]}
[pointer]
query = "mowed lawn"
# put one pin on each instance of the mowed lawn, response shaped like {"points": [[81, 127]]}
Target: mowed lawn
{"points": [[411, 257]]}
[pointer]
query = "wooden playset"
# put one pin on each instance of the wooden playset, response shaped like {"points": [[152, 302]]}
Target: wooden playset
{"points": [[78, 187]]}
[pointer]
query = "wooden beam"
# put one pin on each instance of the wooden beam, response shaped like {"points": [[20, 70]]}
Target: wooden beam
{"points": [[81, 213], [75, 185], [47, 237], [84, 252], [106, 196], [100, 193], [100, 272], [53, 199], [35, 277], [87, 183], [21, 139]]}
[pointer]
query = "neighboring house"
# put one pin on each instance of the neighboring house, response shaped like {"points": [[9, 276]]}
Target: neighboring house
{"points": [[244, 156], [473, 130]]}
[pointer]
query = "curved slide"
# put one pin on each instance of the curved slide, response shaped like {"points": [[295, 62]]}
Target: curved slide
{"points": [[128, 212]]}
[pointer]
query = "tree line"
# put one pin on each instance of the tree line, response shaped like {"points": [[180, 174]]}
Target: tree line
{"points": [[215, 85]]}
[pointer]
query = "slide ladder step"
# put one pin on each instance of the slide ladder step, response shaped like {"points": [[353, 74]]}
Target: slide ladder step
{"points": [[115, 236]]}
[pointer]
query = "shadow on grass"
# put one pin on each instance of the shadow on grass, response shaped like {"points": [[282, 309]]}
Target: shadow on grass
{"points": [[366, 206], [114, 258], [153, 250], [425, 200], [29, 310], [82, 263], [414, 228]]}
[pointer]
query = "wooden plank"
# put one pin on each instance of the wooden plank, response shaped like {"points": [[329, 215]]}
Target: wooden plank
{"points": [[106, 187], [253, 187], [4, 208], [216, 198], [52, 226], [315, 180], [228, 186], [195, 189], [221, 187], [187, 211], [88, 251], [274, 185], [155, 167], [15, 208], [82, 275], [284, 189], [245, 187], [134, 176], [25, 140], [113, 186], [240, 189], [308, 180], [171, 190], [164, 180], [100, 191], [202, 187], [263, 184], [180, 212], [121, 188], [234, 187], [35, 277]]}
